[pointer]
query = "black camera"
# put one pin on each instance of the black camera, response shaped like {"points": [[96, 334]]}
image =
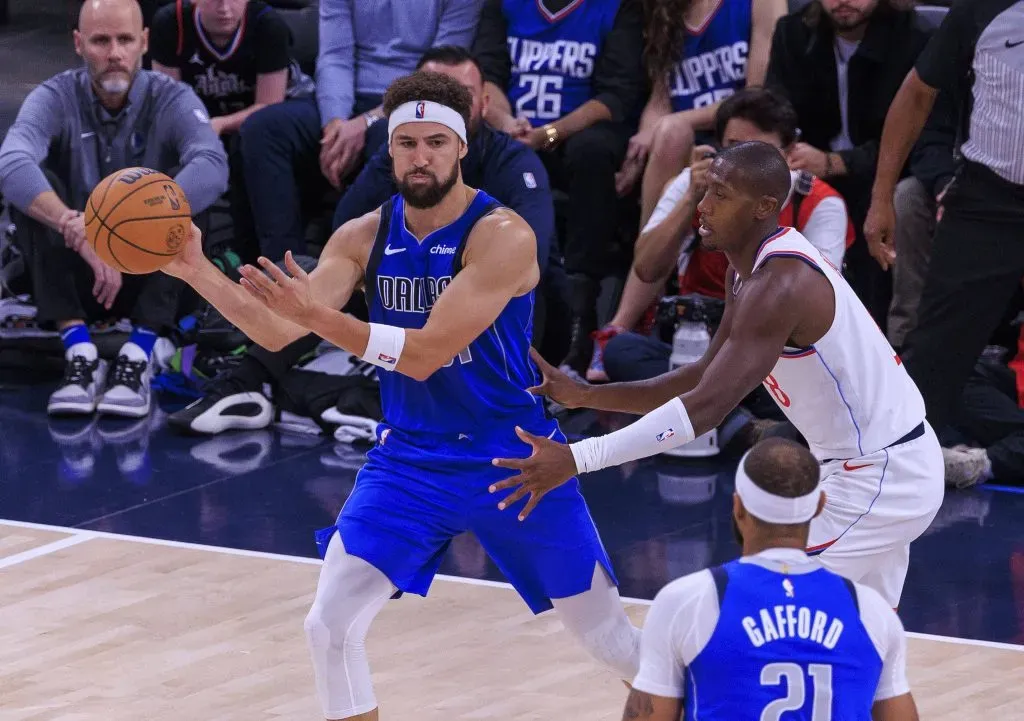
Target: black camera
{"points": [[673, 309]]}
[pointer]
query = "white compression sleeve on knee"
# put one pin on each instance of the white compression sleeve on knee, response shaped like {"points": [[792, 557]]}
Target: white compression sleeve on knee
{"points": [[663, 429], [349, 595], [598, 621]]}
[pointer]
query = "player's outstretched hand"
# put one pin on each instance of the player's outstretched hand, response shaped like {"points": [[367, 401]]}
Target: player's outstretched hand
{"points": [[556, 385], [289, 296], [550, 465]]}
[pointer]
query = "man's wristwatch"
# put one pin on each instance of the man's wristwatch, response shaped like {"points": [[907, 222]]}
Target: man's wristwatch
{"points": [[551, 133], [372, 117]]}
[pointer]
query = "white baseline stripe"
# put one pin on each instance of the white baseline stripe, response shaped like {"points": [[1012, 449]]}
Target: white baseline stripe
{"points": [[84, 535], [43, 550]]}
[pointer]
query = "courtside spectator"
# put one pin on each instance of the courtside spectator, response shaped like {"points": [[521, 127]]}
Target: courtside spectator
{"points": [[293, 152], [72, 131]]}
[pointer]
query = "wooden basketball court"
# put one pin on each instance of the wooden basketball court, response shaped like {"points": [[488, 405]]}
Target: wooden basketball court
{"points": [[119, 628]]}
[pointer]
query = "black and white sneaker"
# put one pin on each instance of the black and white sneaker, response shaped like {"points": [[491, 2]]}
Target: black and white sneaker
{"points": [[79, 390], [228, 405], [128, 393]]}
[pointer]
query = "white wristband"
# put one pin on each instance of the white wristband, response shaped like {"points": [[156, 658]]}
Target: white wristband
{"points": [[385, 346], [660, 430]]}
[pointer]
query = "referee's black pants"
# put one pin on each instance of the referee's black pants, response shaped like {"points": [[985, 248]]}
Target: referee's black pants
{"points": [[976, 268]]}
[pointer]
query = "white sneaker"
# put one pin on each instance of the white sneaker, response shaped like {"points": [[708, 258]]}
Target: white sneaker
{"points": [[128, 392], [79, 390], [966, 467]]}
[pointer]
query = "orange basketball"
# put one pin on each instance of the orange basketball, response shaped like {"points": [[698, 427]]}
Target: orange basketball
{"points": [[137, 220]]}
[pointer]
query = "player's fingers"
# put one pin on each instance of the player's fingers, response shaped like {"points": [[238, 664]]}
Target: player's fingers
{"points": [[530, 505], [258, 279], [545, 368], [510, 482], [252, 290], [515, 464], [527, 437], [512, 498], [293, 267], [541, 390], [278, 275]]}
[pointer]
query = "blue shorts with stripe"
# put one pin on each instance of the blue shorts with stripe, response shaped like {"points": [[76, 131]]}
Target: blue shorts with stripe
{"points": [[417, 492]]}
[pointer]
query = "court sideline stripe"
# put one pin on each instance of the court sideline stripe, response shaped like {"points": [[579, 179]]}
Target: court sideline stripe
{"points": [[45, 549], [79, 535]]}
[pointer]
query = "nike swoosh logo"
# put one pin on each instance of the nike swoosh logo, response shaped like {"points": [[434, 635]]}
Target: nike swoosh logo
{"points": [[1013, 45], [388, 250], [848, 467]]}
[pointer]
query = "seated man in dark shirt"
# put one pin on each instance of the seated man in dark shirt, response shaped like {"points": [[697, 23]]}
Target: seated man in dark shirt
{"points": [[566, 78], [235, 54], [495, 163]]}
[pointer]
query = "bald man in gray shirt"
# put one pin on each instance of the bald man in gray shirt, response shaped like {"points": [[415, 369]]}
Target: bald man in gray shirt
{"points": [[71, 132]]}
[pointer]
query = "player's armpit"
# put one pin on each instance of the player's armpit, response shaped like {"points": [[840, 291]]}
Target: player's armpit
{"points": [[642, 706], [898, 708], [765, 315], [500, 264]]}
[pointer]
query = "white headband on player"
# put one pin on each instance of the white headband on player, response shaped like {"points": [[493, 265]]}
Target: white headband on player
{"points": [[425, 111], [771, 508]]}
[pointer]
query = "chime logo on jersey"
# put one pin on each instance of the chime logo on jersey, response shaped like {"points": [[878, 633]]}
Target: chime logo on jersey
{"points": [[410, 295], [421, 110]]}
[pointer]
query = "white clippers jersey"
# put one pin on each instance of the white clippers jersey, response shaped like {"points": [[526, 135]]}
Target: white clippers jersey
{"points": [[848, 394]]}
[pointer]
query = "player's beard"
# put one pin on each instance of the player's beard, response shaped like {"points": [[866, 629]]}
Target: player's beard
{"points": [[114, 83], [427, 195]]}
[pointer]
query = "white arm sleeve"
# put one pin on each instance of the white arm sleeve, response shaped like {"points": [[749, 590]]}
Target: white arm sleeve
{"points": [[670, 197], [677, 628], [826, 228], [886, 633]]}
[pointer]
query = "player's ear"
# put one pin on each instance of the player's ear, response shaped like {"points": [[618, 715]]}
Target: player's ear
{"points": [[738, 511], [463, 150], [145, 40], [821, 505], [766, 207]]}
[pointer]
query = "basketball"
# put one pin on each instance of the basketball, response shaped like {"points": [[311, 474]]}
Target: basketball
{"points": [[137, 220]]}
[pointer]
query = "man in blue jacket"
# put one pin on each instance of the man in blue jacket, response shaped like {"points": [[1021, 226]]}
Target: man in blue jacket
{"points": [[495, 163]]}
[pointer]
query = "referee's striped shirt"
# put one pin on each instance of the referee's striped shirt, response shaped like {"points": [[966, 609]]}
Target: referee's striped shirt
{"points": [[986, 36]]}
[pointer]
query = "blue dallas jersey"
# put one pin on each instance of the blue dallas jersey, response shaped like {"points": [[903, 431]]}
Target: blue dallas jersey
{"points": [[484, 386], [713, 64], [786, 646], [773, 636], [554, 55]]}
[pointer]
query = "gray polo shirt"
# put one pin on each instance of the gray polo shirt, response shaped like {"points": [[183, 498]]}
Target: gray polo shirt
{"points": [[62, 127]]}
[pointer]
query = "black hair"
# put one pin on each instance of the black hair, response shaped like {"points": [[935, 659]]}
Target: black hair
{"points": [[449, 55], [432, 87], [766, 108], [760, 168], [782, 468]]}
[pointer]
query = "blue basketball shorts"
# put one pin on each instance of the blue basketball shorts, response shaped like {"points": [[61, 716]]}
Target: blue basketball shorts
{"points": [[417, 492]]}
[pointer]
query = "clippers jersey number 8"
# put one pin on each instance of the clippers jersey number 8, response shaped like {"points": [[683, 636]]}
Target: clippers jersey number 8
{"points": [[776, 390], [793, 676]]}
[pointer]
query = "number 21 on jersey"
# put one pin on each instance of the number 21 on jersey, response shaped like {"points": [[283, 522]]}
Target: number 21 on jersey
{"points": [[796, 682]]}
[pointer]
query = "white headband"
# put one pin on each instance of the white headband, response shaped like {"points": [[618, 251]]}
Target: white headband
{"points": [[425, 111], [771, 508]]}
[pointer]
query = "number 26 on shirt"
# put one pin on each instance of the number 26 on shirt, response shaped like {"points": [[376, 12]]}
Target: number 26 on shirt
{"points": [[543, 92]]}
